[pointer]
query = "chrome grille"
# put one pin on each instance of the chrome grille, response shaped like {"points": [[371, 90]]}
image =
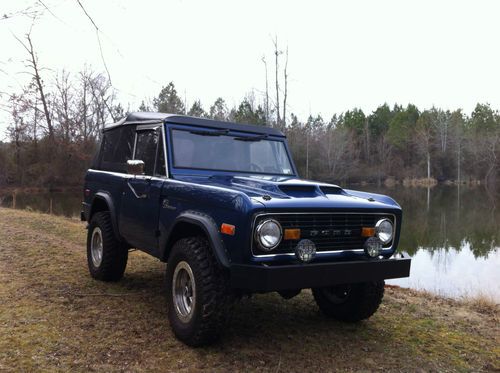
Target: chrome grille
{"points": [[329, 231]]}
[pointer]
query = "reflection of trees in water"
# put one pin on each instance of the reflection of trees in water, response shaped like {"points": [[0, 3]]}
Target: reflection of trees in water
{"points": [[63, 203], [442, 259], [455, 216]]}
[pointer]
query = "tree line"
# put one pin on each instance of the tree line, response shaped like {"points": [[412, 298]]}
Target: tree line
{"points": [[52, 143], [54, 128]]}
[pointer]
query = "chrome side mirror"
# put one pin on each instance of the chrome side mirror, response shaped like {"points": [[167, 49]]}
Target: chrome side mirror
{"points": [[135, 167]]}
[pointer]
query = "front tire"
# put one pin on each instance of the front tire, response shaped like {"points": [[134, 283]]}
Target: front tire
{"points": [[350, 302], [106, 256], [198, 300]]}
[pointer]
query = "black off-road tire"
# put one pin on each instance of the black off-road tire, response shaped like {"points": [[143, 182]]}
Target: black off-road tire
{"points": [[114, 253], [360, 302], [213, 298]]}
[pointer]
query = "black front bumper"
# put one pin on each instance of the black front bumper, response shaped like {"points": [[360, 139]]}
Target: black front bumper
{"points": [[263, 278]]}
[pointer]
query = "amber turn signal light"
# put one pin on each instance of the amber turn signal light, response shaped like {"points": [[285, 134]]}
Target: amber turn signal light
{"points": [[367, 232], [291, 234], [228, 229]]}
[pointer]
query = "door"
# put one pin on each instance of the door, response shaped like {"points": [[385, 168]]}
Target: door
{"points": [[141, 198]]}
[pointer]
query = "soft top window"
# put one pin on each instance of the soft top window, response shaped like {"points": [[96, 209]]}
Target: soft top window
{"points": [[116, 149]]}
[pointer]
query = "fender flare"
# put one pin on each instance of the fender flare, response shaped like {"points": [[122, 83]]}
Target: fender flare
{"points": [[208, 225], [111, 207]]}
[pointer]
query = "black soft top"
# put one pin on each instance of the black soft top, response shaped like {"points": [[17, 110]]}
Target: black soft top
{"points": [[144, 118]]}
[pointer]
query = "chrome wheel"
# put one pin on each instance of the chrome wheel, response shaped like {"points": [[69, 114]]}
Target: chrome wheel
{"points": [[96, 247], [184, 291]]}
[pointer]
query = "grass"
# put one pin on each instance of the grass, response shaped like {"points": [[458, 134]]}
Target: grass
{"points": [[54, 317]]}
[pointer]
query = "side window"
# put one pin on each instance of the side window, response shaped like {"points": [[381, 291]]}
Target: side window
{"points": [[96, 159], [117, 149], [124, 147], [108, 146], [160, 158], [145, 149]]}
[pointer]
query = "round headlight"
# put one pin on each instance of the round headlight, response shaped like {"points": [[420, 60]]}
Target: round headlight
{"points": [[268, 234], [384, 230]]}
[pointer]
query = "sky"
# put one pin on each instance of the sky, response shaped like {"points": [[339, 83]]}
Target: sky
{"points": [[342, 54]]}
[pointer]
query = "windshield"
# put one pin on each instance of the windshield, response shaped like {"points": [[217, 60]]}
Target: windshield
{"points": [[215, 150]]}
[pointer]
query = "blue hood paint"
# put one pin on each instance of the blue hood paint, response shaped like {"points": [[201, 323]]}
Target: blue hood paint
{"points": [[276, 192]]}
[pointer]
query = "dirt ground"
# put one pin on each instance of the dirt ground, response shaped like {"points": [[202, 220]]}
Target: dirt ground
{"points": [[54, 317]]}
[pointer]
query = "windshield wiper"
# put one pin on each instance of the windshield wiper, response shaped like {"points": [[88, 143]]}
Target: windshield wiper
{"points": [[251, 138], [210, 133]]}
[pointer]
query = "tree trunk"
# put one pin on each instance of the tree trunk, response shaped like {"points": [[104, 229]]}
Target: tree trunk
{"points": [[367, 141], [267, 92], [276, 67], [307, 155], [428, 165], [35, 140], [285, 93]]}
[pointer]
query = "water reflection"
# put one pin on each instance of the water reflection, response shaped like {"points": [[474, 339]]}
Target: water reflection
{"points": [[58, 203], [455, 273], [453, 235]]}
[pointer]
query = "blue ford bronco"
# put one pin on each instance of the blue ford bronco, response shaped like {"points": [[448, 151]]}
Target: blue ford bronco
{"points": [[222, 204]]}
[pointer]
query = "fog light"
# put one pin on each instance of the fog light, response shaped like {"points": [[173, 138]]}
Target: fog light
{"points": [[373, 247], [305, 250]]}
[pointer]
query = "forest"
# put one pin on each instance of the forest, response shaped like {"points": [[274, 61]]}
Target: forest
{"points": [[54, 127]]}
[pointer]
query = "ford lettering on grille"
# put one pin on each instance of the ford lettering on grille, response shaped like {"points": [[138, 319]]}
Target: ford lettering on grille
{"points": [[332, 232]]}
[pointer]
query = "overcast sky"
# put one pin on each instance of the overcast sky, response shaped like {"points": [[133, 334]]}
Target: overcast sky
{"points": [[342, 54]]}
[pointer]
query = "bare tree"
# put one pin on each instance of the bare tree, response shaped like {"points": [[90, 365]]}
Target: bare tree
{"points": [[83, 106], [35, 73], [103, 97], [441, 122], [18, 129], [277, 52], [62, 106], [366, 129], [425, 135], [384, 154], [335, 144], [267, 91], [285, 93]]}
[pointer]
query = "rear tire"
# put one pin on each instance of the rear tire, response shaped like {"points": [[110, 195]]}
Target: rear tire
{"points": [[198, 299], [350, 302], [106, 256]]}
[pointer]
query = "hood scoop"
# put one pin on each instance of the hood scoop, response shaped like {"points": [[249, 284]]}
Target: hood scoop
{"points": [[331, 190], [300, 190], [310, 191]]}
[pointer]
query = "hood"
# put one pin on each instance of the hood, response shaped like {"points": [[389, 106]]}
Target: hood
{"points": [[285, 192]]}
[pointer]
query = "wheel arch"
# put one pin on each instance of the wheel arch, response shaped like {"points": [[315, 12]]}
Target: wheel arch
{"points": [[103, 202], [192, 223]]}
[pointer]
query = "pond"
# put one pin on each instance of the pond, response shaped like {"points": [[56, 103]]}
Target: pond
{"points": [[453, 235], [59, 203]]}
